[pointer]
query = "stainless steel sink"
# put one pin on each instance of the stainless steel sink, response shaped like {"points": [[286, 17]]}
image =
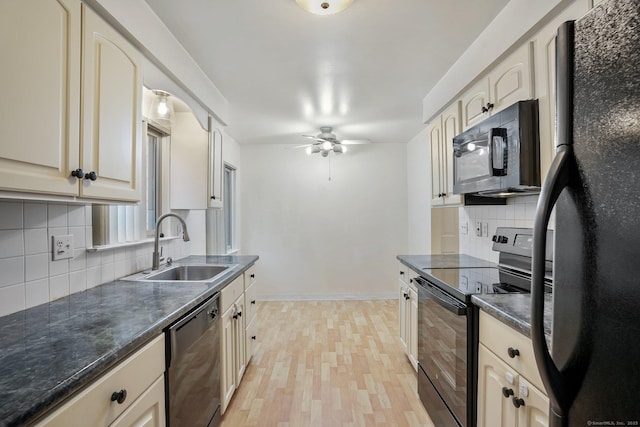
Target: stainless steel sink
{"points": [[184, 273]]}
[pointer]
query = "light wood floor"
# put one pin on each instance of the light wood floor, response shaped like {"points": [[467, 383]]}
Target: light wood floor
{"points": [[327, 363]]}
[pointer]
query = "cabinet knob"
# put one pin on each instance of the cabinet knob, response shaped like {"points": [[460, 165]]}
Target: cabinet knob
{"points": [[91, 176], [487, 107], [119, 396], [513, 352], [78, 173], [253, 276], [253, 337], [239, 314], [506, 392], [213, 197], [253, 301], [402, 273], [235, 316], [517, 401], [444, 194]]}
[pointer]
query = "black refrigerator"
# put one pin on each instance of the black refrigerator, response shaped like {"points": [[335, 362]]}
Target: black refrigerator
{"points": [[592, 370]]}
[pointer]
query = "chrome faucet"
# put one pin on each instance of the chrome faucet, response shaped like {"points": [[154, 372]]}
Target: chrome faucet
{"points": [[185, 237]]}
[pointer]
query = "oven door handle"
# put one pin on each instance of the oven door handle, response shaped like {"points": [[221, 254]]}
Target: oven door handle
{"points": [[456, 307]]}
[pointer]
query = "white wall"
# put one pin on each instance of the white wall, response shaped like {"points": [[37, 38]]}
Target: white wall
{"points": [[321, 239], [419, 194]]}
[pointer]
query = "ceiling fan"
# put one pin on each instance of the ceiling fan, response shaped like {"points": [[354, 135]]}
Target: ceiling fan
{"points": [[326, 141]]}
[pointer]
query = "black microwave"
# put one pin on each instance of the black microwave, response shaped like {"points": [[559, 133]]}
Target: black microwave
{"points": [[500, 156]]}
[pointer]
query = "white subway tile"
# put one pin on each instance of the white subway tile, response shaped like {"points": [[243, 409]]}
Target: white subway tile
{"points": [[76, 215], [11, 243], [94, 276], [35, 215], [58, 267], [87, 215], [12, 299], [78, 236], [58, 287], [78, 281], [107, 257], [79, 260], [37, 292], [35, 241], [119, 254], [120, 268], [88, 235], [530, 212], [107, 272], [36, 267], [12, 271], [11, 215], [93, 259], [57, 215], [519, 211]]}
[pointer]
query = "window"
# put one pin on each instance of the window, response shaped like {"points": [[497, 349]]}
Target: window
{"points": [[229, 198], [153, 184]]}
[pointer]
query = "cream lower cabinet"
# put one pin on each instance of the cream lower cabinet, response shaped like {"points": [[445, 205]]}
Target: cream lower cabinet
{"points": [[238, 321], [70, 71], [408, 315], [138, 381], [509, 388]]}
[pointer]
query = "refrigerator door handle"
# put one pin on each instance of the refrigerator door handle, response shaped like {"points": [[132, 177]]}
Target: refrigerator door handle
{"points": [[557, 180]]}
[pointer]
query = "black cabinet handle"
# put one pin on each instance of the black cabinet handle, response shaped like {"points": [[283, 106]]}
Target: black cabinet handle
{"points": [[513, 352], [402, 273], [239, 314], [506, 392], [253, 301], [213, 197], [487, 107], [444, 194], [78, 173], [410, 280], [91, 175], [253, 337], [119, 396], [253, 276], [517, 401], [235, 316]]}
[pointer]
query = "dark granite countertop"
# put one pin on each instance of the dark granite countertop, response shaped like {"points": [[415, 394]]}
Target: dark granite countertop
{"points": [[50, 351], [422, 262], [515, 310]]}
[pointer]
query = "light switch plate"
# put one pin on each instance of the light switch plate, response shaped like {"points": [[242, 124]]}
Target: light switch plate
{"points": [[485, 229], [464, 228], [478, 229], [62, 247]]}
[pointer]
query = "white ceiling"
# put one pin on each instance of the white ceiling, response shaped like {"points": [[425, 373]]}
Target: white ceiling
{"points": [[286, 72]]}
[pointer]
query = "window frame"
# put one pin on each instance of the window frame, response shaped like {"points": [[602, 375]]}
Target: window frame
{"points": [[229, 207]]}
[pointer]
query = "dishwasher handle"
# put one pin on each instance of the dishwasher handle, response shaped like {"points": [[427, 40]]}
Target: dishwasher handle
{"points": [[450, 303], [190, 327]]}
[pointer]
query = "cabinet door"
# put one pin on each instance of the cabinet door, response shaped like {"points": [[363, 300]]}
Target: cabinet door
{"points": [[227, 369], [535, 412], [111, 112], [435, 138], [215, 167], [450, 128], [40, 77], [511, 80], [402, 316], [472, 103], [250, 303], [413, 328], [240, 341], [189, 151], [494, 409], [147, 410], [251, 339]]}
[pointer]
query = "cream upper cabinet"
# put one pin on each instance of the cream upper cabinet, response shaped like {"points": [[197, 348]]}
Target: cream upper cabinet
{"points": [[508, 82], [509, 385], [111, 112], [441, 132], [40, 77], [189, 154], [64, 137], [215, 167]]}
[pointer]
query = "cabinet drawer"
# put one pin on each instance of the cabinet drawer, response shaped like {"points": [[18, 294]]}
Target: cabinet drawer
{"points": [[250, 276], [250, 302], [251, 339], [231, 293], [403, 272], [498, 338], [94, 406]]}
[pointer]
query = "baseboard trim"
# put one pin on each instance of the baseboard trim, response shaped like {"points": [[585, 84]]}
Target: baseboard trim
{"points": [[329, 297]]}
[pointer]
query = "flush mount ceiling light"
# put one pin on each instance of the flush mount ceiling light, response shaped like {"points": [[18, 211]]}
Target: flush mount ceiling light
{"points": [[324, 7], [162, 106]]}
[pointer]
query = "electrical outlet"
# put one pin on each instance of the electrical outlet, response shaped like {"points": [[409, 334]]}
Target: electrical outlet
{"points": [[464, 228], [62, 247], [485, 229], [478, 229]]}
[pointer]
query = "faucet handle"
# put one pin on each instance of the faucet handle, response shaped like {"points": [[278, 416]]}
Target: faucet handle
{"points": [[169, 261]]}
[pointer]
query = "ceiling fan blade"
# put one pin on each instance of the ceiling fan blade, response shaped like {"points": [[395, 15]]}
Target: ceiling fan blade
{"points": [[355, 141], [315, 138], [302, 146]]}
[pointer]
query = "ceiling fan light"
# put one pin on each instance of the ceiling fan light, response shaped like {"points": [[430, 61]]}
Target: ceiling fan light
{"points": [[308, 150], [325, 153], [338, 148], [327, 145], [324, 7]]}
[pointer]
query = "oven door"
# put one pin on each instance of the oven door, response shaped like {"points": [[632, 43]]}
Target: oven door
{"points": [[443, 378]]}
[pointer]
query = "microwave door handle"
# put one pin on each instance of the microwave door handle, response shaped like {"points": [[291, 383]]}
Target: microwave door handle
{"points": [[498, 151]]}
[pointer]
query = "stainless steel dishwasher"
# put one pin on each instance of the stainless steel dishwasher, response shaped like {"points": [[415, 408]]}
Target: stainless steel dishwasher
{"points": [[193, 368]]}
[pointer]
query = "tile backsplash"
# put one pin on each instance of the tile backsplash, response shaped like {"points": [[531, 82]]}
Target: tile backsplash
{"points": [[29, 276], [518, 212]]}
